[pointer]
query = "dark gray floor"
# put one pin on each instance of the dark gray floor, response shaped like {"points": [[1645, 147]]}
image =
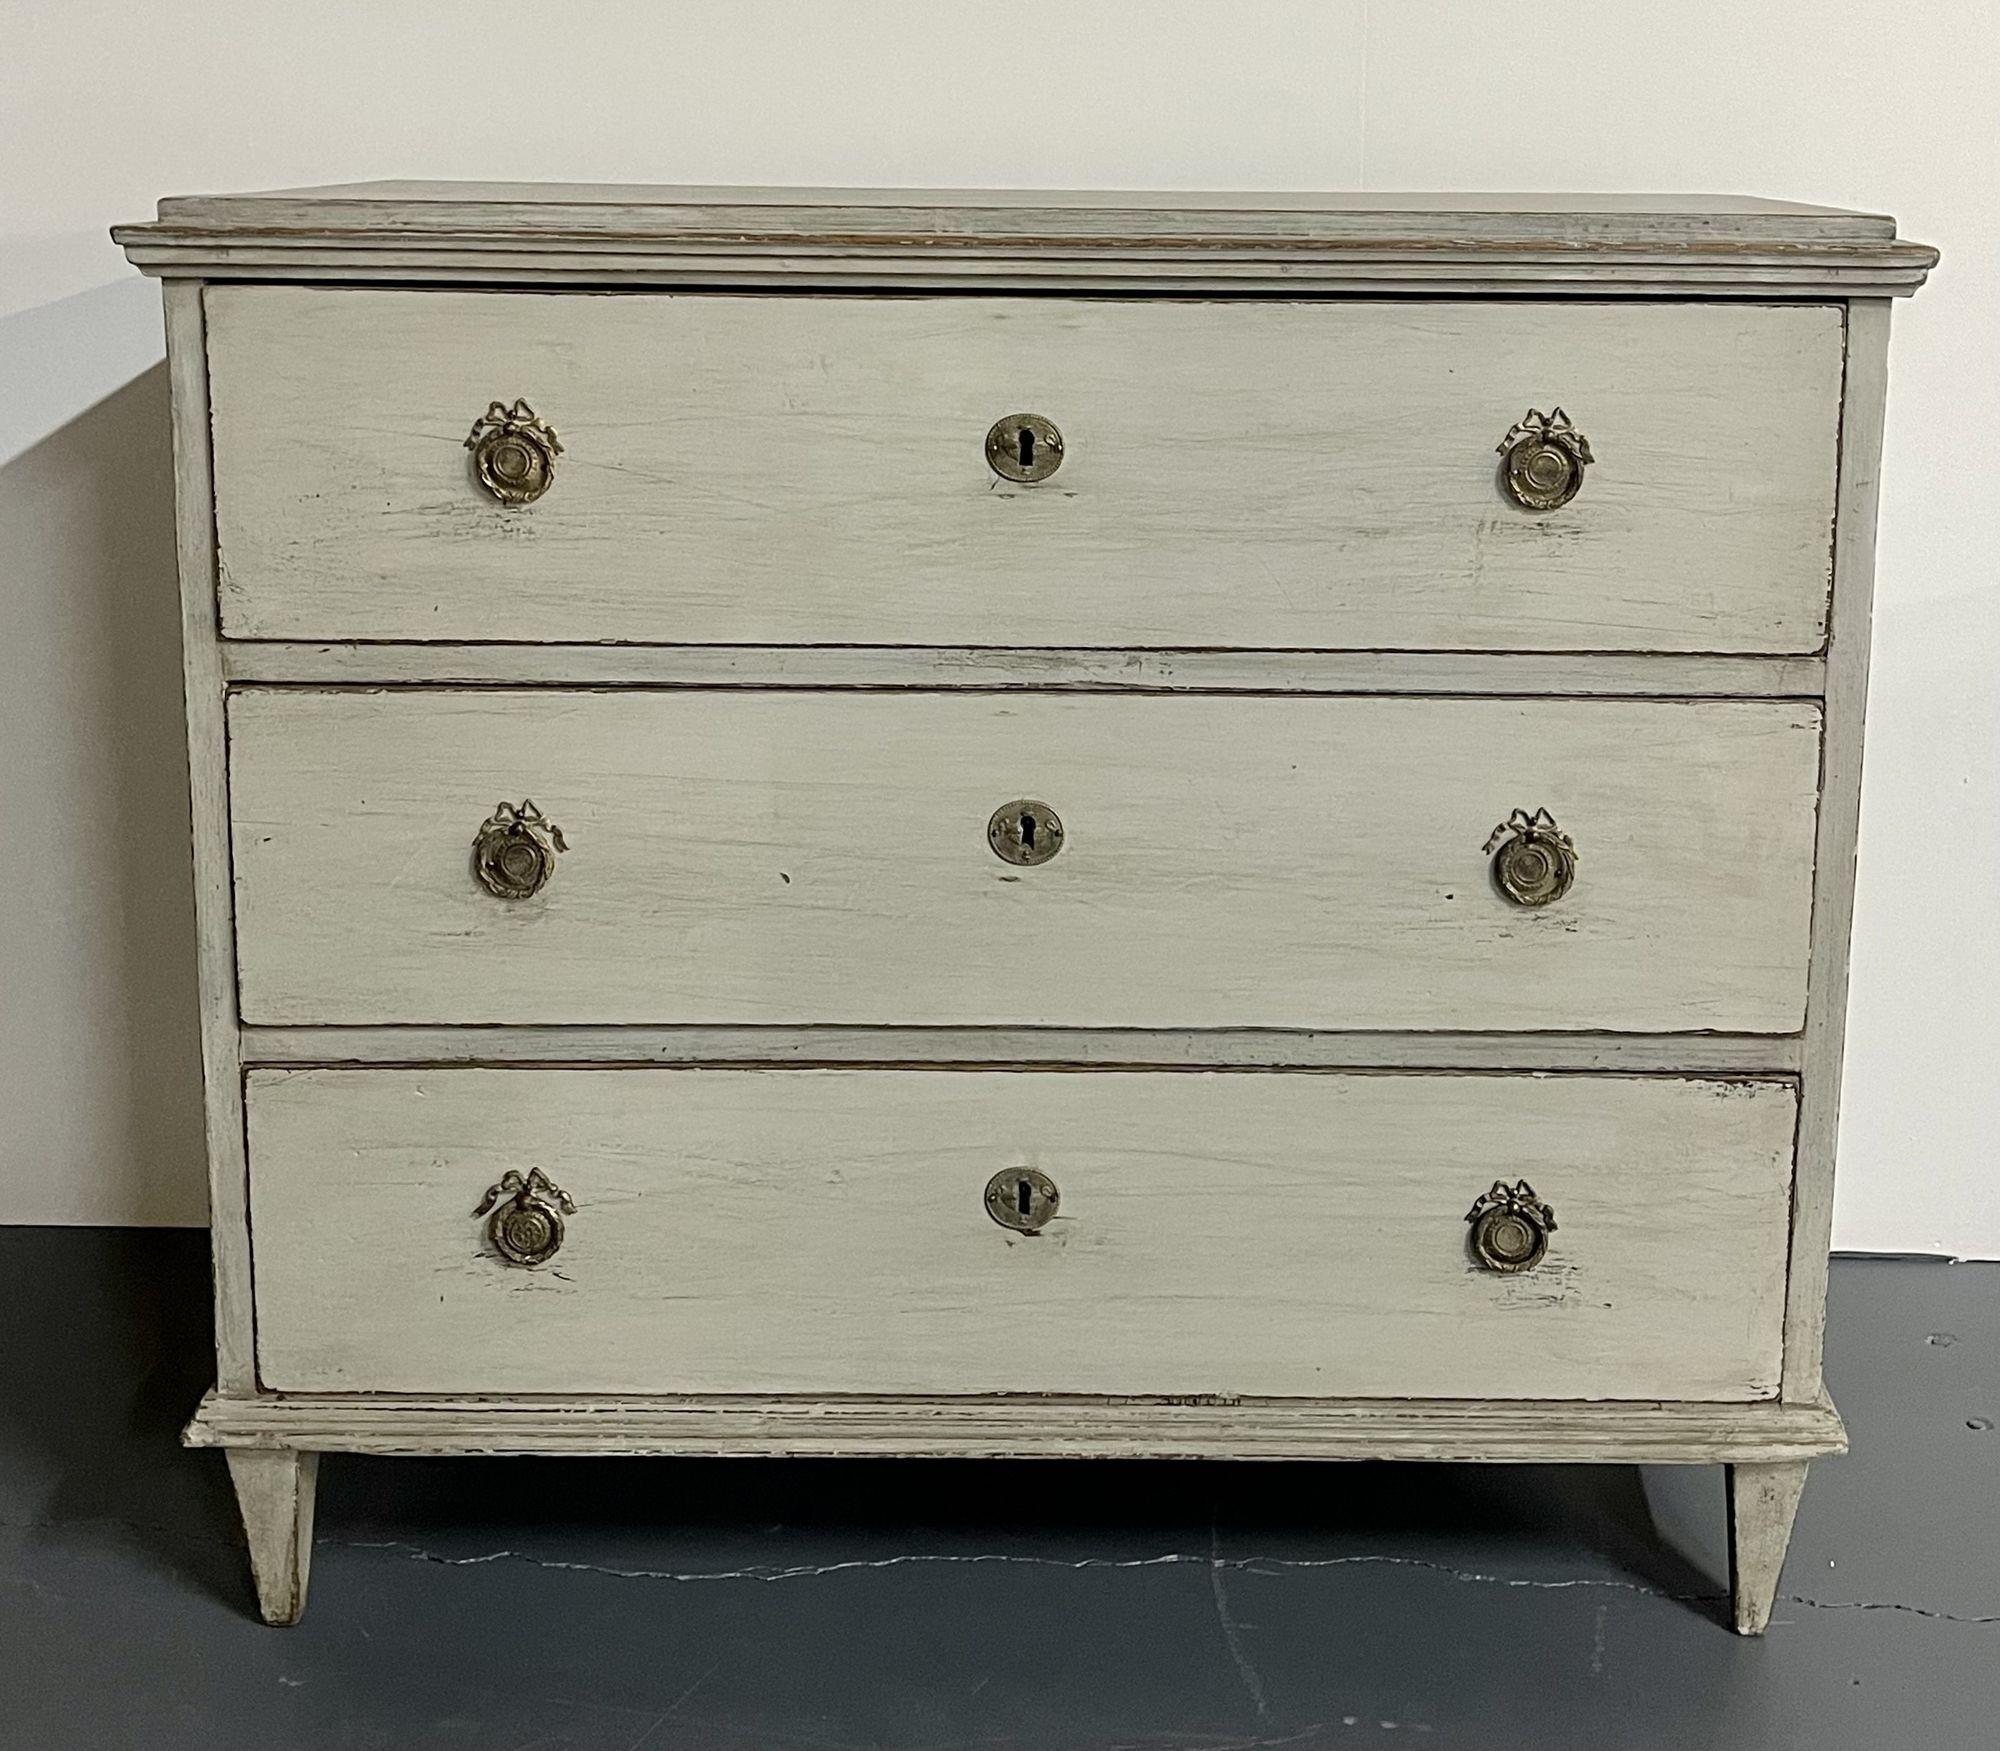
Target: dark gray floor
{"points": [[545, 1605]]}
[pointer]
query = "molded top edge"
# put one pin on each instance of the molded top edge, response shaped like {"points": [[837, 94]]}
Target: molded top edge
{"points": [[665, 234]]}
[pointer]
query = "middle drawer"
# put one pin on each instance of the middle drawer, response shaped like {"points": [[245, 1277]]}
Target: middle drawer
{"points": [[806, 857]]}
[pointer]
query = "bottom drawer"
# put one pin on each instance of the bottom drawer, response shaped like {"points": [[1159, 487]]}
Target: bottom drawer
{"points": [[828, 1231]]}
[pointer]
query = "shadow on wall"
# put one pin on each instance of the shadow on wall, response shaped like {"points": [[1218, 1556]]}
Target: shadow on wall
{"points": [[100, 1068]]}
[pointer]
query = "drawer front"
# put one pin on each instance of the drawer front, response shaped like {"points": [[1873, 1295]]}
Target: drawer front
{"points": [[827, 1231], [1315, 475], [825, 858]]}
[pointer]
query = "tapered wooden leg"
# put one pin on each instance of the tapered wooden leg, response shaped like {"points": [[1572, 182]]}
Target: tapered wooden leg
{"points": [[1762, 1502], [274, 1489]]}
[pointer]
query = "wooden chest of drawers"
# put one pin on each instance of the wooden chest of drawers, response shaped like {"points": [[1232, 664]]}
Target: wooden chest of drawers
{"points": [[787, 780]]}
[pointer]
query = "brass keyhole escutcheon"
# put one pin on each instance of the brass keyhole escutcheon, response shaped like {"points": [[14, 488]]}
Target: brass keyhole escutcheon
{"points": [[1024, 447], [1022, 1198], [1025, 832]]}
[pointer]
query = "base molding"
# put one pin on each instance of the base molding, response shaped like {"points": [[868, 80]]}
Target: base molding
{"points": [[1522, 1432]]}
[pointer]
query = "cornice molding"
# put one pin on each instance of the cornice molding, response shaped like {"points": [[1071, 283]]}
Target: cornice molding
{"points": [[1045, 240]]}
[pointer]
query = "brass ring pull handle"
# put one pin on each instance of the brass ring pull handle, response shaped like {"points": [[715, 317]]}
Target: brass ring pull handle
{"points": [[513, 453], [1025, 832], [1024, 447], [1022, 1198], [1544, 457], [528, 1228], [1534, 861], [514, 853], [1510, 1227]]}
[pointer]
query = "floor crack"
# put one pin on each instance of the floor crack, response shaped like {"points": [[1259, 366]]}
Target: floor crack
{"points": [[1232, 1635], [1215, 1562], [1884, 1605], [1253, 1565]]}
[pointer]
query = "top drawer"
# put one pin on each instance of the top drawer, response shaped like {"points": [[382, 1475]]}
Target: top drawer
{"points": [[813, 470]]}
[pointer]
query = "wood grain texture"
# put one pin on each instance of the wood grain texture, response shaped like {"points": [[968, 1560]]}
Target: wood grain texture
{"points": [[758, 470], [275, 1492], [1839, 830], [1104, 1048], [963, 668], [208, 787], [1217, 1234], [803, 858], [1683, 245], [1763, 1502], [1039, 1426]]}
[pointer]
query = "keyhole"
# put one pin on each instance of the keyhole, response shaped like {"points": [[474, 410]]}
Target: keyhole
{"points": [[1024, 832], [1027, 447], [1021, 1199]]}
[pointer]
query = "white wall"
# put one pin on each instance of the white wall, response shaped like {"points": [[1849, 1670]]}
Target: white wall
{"points": [[105, 106]]}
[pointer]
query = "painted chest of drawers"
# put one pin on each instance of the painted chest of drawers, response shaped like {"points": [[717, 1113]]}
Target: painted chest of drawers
{"points": [[787, 783]]}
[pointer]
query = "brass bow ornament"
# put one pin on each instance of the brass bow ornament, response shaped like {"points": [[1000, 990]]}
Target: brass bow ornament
{"points": [[1547, 428], [1540, 825]]}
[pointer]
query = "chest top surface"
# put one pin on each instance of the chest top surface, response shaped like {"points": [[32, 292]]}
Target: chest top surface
{"points": [[1673, 244]]}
